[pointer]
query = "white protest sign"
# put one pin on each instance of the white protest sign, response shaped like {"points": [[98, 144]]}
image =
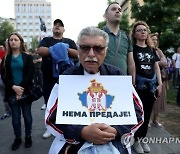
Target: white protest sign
{"points": [[95, 99]]}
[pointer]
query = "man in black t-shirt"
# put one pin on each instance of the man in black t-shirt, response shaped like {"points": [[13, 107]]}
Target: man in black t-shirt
{"points": [[47, 60]]}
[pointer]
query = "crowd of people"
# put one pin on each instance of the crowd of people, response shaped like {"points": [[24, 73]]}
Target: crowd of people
{"points": [[106, 51]]}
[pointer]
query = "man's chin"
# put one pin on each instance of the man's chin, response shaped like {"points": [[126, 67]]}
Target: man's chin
{"points": [[91, 71]]}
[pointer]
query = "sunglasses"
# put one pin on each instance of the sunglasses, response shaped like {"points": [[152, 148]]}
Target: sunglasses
{"points": [[96, 49]]}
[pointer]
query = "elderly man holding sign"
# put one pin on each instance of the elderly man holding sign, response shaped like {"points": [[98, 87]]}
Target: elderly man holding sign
{"points": [[84, 110]]}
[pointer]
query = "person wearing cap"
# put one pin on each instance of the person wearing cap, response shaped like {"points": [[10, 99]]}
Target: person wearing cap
{"points": [[59, 44]]}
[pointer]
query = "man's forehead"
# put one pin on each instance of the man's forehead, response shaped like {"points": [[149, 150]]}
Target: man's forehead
{"points": [[86, 38], [58, 24], [114, 6]]}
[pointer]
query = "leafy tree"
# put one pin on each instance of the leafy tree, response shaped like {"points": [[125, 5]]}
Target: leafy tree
{"points": [[109, 1], [162, 17], [125, 23], [101, 24], [5, 30], [34, 43]]}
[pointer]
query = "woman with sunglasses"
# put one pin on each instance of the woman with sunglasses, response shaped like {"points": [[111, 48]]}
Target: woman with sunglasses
{"points": [[147, 77], [17, 74]]}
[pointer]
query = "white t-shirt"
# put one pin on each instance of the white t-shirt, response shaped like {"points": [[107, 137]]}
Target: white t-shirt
{"points": [[86, 73], [176, 57]]}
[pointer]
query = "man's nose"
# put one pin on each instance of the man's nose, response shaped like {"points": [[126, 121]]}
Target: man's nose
{"points": [[118, 10], [91, 53]]}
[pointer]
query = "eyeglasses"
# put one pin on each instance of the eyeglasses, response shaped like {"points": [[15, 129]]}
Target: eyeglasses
{"points": [[141, 30], [96, 49]]}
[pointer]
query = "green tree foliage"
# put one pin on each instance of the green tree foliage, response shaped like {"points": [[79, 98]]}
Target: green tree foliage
{"points": [[34, 43], [125, 23], [5, 30], [101, 24], [109, 1], [162, 17]]}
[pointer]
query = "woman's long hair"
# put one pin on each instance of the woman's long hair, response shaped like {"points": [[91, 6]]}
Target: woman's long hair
{"points": [[22, 46], [157, 35], [9, 49], [133, 31]]}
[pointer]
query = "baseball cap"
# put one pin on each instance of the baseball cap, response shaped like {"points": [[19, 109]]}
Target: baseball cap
{"points": [[58, 21]]}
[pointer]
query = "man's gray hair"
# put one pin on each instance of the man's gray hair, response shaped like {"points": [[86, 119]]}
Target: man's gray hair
{"points": [[93, 31]]}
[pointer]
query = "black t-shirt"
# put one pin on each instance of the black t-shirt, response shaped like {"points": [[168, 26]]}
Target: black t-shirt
{"points": [[47, 63], [145, 59]]}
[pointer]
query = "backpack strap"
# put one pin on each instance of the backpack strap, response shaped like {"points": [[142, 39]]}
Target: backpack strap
{"points": [[117, 48]]}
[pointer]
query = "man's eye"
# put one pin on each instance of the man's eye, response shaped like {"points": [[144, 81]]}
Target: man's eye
{"points": [[120, 10], [97, 48], [85, 47]]}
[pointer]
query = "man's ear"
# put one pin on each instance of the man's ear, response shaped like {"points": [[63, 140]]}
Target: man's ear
{"points": [[106, 50], [105, 15]]}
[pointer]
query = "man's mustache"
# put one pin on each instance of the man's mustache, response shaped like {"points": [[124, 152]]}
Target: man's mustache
{"points": [[94, 59]]}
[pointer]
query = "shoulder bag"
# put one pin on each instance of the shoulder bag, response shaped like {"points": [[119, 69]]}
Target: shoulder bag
{"points": [[35, 92]]}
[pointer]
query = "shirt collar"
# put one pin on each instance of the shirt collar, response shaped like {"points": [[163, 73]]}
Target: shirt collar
{"points": [[86, 73], [107, 30]]}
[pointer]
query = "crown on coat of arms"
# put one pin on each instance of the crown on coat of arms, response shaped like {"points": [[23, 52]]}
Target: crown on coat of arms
{"points": [[96, 87]]}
